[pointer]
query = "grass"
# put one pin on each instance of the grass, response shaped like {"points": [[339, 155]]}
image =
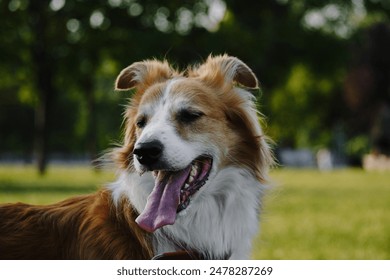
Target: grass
{"points": [[343, 214], [24, 184]]}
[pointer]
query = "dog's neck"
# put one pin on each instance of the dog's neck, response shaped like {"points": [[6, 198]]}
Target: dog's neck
{"points": [[220, 222]]}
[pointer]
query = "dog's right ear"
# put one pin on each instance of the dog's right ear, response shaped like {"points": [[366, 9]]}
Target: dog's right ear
{"points": [[143, 74]]}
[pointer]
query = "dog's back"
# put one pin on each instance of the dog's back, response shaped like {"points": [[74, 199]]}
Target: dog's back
{"points": [[83, 227]]}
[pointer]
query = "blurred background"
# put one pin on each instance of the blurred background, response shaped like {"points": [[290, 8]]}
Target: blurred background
{"points": [[324, 69]]}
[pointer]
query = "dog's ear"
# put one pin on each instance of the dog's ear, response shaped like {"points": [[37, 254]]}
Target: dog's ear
{"points": [[228, 69], [145, 73]]}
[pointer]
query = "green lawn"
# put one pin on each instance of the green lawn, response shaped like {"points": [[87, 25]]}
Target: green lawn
{"points": [[344, 214], [22, 183]]}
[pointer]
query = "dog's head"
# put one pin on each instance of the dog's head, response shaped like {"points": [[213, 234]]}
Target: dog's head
{"points": [[185, 127]]}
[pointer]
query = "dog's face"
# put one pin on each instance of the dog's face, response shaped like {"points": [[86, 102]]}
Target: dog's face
{"points": [[184, 128], [175, 126]]}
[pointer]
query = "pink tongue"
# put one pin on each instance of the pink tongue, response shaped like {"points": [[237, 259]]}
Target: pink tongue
{"points": [[162, 203]]}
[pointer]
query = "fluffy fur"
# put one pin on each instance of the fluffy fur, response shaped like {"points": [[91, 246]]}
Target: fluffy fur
{"points": [[84, 227], [204, 112]]}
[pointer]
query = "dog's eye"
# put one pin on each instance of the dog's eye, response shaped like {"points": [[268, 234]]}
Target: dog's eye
{"points": [[188, 116], [141, 122]]}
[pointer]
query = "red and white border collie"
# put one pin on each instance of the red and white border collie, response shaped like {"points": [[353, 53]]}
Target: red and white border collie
{"points": [[191, 174]]}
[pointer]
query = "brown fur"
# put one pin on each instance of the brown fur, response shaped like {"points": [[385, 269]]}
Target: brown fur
{"points": [[84, 227]]}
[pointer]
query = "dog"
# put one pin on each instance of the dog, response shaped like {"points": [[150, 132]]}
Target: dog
{"points": [[191, 174]]}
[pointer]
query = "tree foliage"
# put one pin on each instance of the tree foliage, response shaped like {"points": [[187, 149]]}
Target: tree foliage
{"points": [[314, 60]]}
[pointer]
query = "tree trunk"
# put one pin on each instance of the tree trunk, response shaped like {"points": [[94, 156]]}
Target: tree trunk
{"points": [[43, 71], [88, 88]]}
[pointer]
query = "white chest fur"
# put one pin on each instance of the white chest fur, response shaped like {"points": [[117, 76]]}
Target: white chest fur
{"points": [[222, 218]]}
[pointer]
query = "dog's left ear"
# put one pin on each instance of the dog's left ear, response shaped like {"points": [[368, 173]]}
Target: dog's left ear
{"points": [[143, 74], [227, 69]]}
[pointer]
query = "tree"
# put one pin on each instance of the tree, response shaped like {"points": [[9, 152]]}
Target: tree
{"points": [[61, 58]]}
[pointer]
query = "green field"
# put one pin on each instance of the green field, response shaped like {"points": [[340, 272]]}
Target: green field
{"points": [[22, 183], [344, 214]]}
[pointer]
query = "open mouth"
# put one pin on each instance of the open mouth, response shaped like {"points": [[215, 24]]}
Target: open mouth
{"points": [[172, 193], [200, 170]]}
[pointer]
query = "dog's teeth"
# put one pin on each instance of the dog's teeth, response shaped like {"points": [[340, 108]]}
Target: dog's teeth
{"points": [[186, 186], [190, 179], [193, 171]]}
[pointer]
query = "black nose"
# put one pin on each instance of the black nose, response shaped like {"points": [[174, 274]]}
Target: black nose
{"points": [[148, 153]]}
